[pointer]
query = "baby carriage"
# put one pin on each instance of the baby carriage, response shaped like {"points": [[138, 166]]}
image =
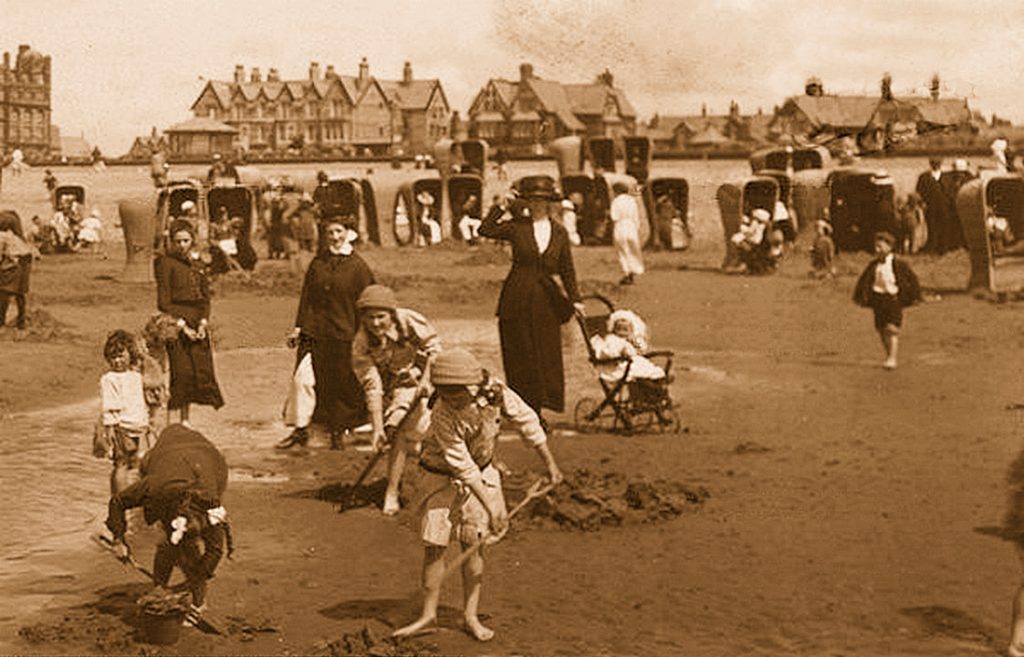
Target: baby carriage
{"points": [[640, 405]]}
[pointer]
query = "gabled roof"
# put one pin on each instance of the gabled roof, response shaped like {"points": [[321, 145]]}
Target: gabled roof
{"points": [[836, 111], [296, 88], [590, 99], [75, 147], [350, 85], [410, 95], [250, 90], [201, 124], [271, 90], [942, 111], [221, 91], [554, 99], [709, 136], [506, 89]]}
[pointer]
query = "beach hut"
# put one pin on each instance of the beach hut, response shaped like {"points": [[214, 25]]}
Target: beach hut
{"points": [[996, 266]]}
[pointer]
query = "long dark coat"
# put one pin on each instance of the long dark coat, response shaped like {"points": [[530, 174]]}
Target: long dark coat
{"points": [[328, 319], [529, 310], [183, 292], [937, 214]]}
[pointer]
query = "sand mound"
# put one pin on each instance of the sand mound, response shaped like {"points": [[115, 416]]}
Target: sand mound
{"points": [[40, 326], [588, 501], [365, 642]]}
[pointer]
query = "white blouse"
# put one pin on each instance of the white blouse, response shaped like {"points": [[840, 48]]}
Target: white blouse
{"points": [[542, 234]]}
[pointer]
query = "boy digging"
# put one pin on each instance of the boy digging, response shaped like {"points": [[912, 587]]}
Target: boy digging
{"points": [[456, 459], [887, 285]]}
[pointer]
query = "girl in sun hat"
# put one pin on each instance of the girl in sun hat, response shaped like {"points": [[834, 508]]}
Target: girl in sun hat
{"points": [[467, 498]]}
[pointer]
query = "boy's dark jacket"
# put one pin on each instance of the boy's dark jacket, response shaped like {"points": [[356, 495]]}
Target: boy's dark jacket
{"points": [[182, 461], [906, 281]]}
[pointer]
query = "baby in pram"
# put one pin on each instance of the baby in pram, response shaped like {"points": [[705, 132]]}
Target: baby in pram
{"points": [[626, 338]]}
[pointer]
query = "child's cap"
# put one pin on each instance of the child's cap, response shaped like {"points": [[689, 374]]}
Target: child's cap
{"points": [[885, 236], [456, 367]]}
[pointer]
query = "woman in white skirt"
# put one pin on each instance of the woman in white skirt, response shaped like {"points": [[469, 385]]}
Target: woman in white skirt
{"points": [[626, 233]]}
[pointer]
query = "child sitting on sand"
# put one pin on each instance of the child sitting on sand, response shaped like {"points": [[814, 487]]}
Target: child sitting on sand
{"points": [[626, 337], [123, 434]]}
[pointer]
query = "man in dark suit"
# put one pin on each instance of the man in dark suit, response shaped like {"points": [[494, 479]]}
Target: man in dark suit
{"points": [[937, 211]]}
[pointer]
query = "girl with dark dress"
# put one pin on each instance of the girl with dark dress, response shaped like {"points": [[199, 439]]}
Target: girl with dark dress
{"points": [[327, 321], [183, 292], [532, 307]]}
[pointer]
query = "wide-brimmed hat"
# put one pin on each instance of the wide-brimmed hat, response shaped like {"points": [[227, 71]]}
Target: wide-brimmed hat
{"points": [[538, 187], [377, 296], [456, 367]]}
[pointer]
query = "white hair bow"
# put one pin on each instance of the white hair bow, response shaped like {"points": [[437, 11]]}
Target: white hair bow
{"points": [[179, 524], [217, 515]]}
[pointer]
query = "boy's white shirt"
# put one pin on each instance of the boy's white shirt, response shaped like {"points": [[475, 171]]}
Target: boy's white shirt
{"points": [[122, 400], [885, 277]]}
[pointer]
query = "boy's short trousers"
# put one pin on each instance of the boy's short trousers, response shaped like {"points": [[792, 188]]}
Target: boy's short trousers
{"points": [[130, 445], [456, 507], [888, 312], [397, 408]]}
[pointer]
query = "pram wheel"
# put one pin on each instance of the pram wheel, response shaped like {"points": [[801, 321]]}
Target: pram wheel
{"points": [[589, 420], [662, 420]]}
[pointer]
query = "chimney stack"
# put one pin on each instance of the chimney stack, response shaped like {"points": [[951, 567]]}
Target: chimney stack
{"points": [[525, 72], [239, 74], [886, 87], [813, 87], [935, 86], [407, 73], [364, 71], [329, 73], [255, 76], [273, 75], [314, 70], [704, 110], [7, 60], [606, 78]]}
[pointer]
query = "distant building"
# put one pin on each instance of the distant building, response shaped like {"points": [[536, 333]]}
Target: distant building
{"points": [[144, 147], [199, 137], [25, 104], [873, 121], [326, 110], [521, 114], [707, 131], [421, 114], [74, 149]]}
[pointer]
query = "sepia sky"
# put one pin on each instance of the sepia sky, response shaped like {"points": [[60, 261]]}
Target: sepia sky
{"points": [[122, 66]]}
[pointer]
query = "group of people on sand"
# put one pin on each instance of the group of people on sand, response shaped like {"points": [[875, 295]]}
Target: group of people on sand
{"points": [[369, 357]]}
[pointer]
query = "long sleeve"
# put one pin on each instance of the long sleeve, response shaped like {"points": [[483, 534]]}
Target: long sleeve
{"points": [[302, 315], [492, 225], [523, 418], [111, 402], [567, 270], [366, 372], [129, 498]]}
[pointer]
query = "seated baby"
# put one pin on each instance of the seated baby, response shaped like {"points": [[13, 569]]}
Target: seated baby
{"points": [[1000, 234], [626, 337]]}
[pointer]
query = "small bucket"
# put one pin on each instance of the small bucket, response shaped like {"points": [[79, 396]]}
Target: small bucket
{"points": [[162, 629]]}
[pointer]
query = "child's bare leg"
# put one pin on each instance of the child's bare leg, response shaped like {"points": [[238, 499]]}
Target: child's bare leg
{"points": [[396, 466], [433, 571], [472, 580]]}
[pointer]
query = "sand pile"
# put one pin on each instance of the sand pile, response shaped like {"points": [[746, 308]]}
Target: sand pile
{"points": [[588, 501], [366, 642], [40, 326], [84, 627]]}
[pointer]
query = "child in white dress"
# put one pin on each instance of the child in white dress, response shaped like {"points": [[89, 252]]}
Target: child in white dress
{"points": [[626, 337]]}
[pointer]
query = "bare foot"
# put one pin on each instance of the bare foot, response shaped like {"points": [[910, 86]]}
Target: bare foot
{"points": [[478, 631], [414, 628]]}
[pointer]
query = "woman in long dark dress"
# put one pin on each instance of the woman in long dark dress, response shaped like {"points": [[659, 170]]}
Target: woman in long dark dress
{"points": [[532, 307], [183, 292], [327, 322]]}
